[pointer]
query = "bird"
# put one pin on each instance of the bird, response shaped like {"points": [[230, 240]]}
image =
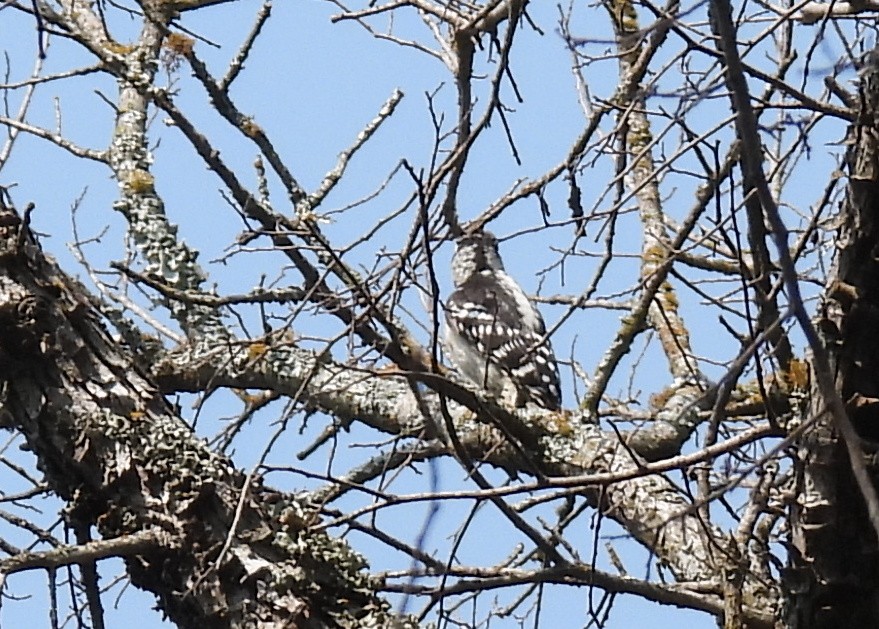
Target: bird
{"points": [[495, 335]]}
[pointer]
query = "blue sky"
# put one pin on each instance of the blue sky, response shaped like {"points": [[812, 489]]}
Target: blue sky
{"points": [[312, 86]]}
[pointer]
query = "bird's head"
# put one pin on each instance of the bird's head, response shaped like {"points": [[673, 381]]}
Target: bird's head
{"points": [[476, 251]]}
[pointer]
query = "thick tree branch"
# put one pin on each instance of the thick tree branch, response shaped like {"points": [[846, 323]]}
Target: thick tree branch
{"points": [[112, 447]]}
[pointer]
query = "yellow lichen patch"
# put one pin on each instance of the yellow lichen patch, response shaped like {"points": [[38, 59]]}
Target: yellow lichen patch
{"points": [[751, 393], [796, 377], [136, 415], [309, 215], [297, 519], [255, 350], [625, 15], [654, 254], [174, 48], [250, 128], [562, 425], [659, 399], [178, 44], [253, 399], [668, 292], [140, 181], [116, 47], [640, 137]]}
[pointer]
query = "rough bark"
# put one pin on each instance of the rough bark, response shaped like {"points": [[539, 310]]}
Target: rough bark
{"points": [[228, 552], [834, 576]]}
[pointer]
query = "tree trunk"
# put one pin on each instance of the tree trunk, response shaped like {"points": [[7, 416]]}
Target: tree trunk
{"points": [[833, 579]]}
